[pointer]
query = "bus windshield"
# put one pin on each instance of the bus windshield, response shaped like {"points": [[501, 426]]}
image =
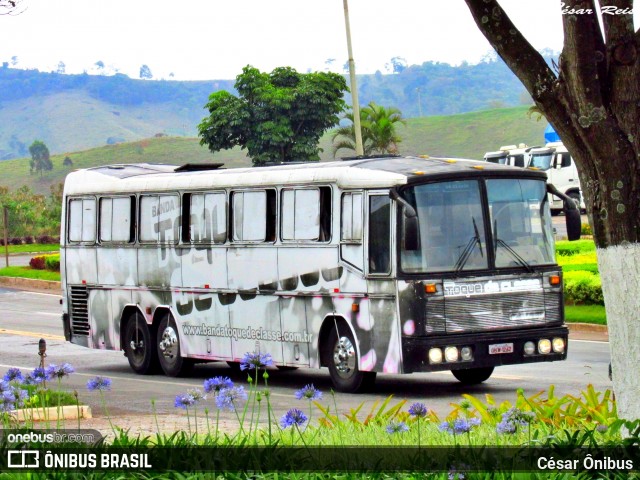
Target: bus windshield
{"points": [[520, 223], [452, 221]]}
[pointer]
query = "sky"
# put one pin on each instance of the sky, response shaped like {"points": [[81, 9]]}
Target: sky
{"points": [[215, 39]]}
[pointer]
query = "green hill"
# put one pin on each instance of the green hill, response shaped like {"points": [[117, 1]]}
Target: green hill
{"points": [[76, 112], [467, 135]]}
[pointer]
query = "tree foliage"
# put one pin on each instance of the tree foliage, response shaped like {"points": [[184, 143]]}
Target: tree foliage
{"points": [[32, 214], [40, 158], [379, 134], [277, 116]]}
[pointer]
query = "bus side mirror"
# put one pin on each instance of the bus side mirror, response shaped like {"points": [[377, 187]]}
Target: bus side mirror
{"points": [[410, 226], [574, 222], [411, 233], [571, 211]]}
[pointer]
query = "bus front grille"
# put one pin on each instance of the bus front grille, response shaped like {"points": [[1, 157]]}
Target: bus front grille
{"points": [[493, 312], [79, 310]]}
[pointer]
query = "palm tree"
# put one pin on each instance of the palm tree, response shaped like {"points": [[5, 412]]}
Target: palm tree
{"points": [[379, 134]]}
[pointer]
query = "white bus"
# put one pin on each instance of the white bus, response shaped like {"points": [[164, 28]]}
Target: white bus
{"points": [[390, 264]]}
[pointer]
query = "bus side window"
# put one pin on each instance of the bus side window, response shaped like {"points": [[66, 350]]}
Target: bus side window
{"points": [[159, 218], [204, 218], [379, 234], [300, 214], [116, 216], [253, 214], [82, 220], [351, 230]]}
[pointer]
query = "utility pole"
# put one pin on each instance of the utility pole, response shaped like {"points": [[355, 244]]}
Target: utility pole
{"points": [[6, 235], [419, 101], [354, 89]]}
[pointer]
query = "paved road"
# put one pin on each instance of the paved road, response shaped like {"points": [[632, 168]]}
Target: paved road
{"points": [[26, 317]]}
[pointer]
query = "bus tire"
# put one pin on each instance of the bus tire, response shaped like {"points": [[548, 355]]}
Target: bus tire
{"points": [[473, 376], [342, 360], [139, 345], [168, 341]]}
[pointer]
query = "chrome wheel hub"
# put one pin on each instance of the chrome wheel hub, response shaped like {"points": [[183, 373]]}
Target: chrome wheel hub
{"points": [[344, 357], [169, 343]]}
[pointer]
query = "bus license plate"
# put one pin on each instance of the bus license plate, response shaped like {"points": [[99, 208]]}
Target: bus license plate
{"points": [[499, 348]]}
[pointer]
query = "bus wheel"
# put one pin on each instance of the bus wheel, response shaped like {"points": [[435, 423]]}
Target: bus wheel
{"points": [[342, 360], [168, 342], [139, 346], [473, 376]]}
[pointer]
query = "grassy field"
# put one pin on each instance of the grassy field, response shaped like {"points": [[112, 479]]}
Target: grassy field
{"points": [[28, 272], [467, 135], [32, 248], [585, 314]]}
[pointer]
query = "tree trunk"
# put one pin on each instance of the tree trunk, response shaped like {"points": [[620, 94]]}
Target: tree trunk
{"points": [[593, 102]]}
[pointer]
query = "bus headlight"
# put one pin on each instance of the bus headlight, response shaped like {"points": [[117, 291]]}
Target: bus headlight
{"points": [[466, 353], [451, 354], [435, 355], [558, 345], [544, 346], [529, 348]]}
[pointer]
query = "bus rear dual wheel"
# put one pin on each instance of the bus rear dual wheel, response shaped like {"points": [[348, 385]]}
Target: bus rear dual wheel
{"points": [[148, 353]]}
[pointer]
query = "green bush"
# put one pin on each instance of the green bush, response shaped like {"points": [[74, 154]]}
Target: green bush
{"points": [[565, 247], [586, 229], [52, 262], [582, 287]]}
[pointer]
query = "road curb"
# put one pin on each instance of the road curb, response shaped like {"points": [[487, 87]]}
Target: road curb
{"points": [[31, 284], [588, 327]]}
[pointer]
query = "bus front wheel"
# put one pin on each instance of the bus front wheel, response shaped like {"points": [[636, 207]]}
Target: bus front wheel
{"points": [[473, 376], [342, 360], [168, 341], [139, 346]]}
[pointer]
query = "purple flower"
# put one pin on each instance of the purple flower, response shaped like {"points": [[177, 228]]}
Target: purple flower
{"points": [[255, 360], [308, 392], [514, 418], [418, 410], [13, 374], [99, 383], [518, 416], [293, 417], [228, 397], [59, 371], [7, 399], [4, 385], [39, 375], [216, 384], [506, 426], [459, 425], [397, 427], [184, 400]]}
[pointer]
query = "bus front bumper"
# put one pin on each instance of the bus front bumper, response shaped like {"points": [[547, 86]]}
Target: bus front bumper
{"points": [[487, 349]]}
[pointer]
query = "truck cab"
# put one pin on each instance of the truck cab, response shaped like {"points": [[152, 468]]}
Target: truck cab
{"points": [[556, 161], [512, 155]]}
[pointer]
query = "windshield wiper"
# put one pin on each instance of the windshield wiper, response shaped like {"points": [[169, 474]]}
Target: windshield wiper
{"points": [[468, 249], [499, 242]]}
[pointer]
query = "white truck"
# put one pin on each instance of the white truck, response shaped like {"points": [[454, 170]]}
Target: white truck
{"points": [[512, 155], [556, 161]]}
